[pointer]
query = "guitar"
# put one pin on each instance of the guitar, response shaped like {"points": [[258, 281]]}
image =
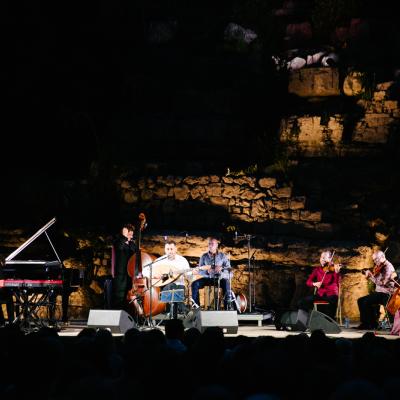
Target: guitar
{"points": [[166, 273]]}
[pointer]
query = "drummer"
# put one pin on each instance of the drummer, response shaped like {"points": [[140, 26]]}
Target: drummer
{"points": [[178, 266], [217, 269]]}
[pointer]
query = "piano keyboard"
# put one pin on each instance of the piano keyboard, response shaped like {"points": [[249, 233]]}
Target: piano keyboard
{"points": [[30, 283]]}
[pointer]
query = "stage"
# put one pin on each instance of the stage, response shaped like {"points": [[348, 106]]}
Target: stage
{"points": [[244, 329]]}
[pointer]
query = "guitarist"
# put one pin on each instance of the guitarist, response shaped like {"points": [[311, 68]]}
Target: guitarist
{"points": [[165, 269], [219, 270]]}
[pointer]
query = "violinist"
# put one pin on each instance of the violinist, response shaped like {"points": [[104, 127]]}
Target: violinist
{"points": [[384, 285], [325, 281], [123, 248]]}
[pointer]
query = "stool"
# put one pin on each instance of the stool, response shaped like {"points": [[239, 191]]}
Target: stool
{"points": [[320, 303], [209, 297]]}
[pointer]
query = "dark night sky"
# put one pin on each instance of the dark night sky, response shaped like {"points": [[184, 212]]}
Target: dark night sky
{"points": [[82, 83], [84, 74]]}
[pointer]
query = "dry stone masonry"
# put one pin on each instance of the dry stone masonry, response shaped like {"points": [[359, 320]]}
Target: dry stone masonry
{"points": [[371, 123], [243, 198]]}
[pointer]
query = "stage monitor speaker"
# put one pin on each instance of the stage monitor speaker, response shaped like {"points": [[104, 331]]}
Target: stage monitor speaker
{"points": [[227, 320], [117, 321], [318, 320], [293, 321]]}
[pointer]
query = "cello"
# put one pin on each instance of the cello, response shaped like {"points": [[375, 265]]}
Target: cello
{"points": [[394, 302], [144, 301]]}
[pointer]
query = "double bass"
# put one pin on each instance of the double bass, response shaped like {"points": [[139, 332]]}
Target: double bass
{"points": [[144, 301]]}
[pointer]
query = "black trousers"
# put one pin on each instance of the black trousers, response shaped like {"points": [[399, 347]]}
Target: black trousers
{"points": [[307, 303], [368, 308], [121, 284], [223, 283]]}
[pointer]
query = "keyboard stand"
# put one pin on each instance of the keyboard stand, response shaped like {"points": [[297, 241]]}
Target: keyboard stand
{"points": [[28, 303]]}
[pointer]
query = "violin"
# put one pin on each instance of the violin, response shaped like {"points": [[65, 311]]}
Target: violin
{"points": [[331, 267], [377, 269]]}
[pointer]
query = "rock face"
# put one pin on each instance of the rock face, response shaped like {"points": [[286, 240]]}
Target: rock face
{"points": [[224, 201], [361, 130], [308, 136], [352, 85], [314, 82]]}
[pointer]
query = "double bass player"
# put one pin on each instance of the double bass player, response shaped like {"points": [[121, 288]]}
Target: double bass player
{"points": [[123, 249]]}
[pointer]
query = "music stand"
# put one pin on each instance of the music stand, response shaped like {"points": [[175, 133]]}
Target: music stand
{"points": [[172, 296]]}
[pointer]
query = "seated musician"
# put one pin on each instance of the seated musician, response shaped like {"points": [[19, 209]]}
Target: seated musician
{"points": [[325, 281], [217, 273], [384, 286], [124, 247], [168, 268]]}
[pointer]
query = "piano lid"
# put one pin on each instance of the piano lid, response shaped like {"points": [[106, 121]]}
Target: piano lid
{"points": [[9, 259]]}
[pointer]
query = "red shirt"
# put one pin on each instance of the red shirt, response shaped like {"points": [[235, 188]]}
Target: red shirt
{"points": [[330, 282]]}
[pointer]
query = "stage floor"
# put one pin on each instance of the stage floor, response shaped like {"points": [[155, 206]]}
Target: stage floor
{"points": [[245, 329]]}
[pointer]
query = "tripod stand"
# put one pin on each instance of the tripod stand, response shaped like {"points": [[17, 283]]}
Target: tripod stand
{"points": [[250, 269]]}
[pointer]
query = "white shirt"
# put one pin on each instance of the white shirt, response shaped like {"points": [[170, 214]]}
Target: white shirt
{"points": [[177, 265]]}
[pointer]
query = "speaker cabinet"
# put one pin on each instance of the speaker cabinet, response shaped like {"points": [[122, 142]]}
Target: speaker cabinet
{"points": [[292, 321], [227, 320], [318, 320], [117, 321]]}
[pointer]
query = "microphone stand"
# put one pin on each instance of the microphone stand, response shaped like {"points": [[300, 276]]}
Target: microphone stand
{"points": [[214, 282], [251, 287], [150, 265]]}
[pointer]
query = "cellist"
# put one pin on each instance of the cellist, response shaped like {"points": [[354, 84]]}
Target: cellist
{"points": [[384, 285], [123, 248]]}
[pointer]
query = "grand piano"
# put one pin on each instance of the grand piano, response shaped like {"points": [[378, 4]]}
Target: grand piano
{"points": [[34, 285]]}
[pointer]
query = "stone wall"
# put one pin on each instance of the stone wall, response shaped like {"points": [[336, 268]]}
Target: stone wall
{"points": [[362, 129], [314, 82], [209, 202]]}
